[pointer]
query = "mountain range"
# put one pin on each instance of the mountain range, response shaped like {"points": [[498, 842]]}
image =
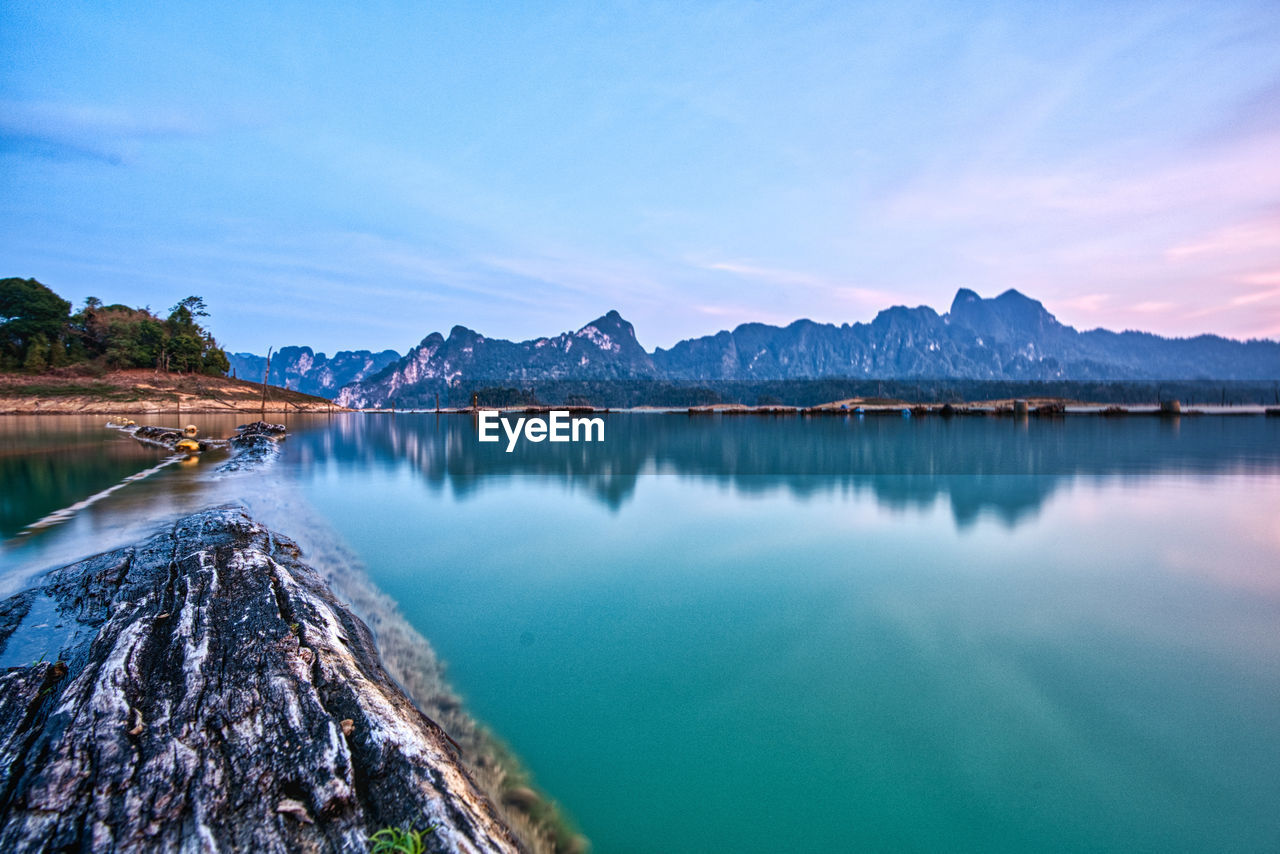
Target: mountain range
{"points": [[304, 370], [1008, 337]]}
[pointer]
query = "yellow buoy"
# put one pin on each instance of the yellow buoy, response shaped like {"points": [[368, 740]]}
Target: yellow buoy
{"points": [[188, 445], [190, 430]]}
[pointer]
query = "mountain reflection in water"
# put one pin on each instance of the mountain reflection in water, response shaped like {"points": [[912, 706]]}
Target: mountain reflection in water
{"points": [[1002, 466]]}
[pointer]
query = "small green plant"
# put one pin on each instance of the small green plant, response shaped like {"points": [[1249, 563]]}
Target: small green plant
{"points": [[400, 840]]}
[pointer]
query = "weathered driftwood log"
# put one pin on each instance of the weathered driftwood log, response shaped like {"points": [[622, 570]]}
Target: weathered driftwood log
{"points": [[217, 697], [253, 445]]}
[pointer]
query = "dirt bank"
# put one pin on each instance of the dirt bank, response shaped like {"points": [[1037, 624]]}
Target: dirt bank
{"points": [[146, 392]]}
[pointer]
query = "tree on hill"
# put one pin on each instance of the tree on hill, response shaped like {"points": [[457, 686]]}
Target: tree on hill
{"points": [[33, 319], [190, 347], [37, 331]]}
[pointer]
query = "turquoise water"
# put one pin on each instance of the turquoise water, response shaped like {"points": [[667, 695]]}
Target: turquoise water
{"points": [[767, 634]]}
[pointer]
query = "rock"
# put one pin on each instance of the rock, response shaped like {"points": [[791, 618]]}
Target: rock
{"points": [[254, 444], [263, 428], [156, 435], [521, 796], [252, 450], [184, 715], [297, 809]]}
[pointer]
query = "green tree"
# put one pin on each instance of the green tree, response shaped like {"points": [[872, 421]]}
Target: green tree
{"points": [[182, 317], [190, 346], [36, 358], [37, 331], [58, 356], [215, 362], [125, 337], [184, 353], [29, 310]]}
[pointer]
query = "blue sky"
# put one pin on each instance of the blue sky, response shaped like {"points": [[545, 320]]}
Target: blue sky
{"points": [[356, 179]]}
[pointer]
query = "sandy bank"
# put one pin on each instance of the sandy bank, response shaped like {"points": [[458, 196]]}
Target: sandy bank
{"points": [[144, 392]]}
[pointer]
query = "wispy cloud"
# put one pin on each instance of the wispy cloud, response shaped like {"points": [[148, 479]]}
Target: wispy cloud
{"points": [[1154, 306], [1184, 186], [1256, 297], [829, 285], [1232, 240], [88, 131], [734, 314], [1268, 277], [1086, 303]]}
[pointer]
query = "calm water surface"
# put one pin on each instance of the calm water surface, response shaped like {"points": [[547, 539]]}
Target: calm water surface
{"points": [[756, 634]]}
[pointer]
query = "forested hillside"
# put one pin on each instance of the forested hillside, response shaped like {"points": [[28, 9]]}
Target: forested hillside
{"points": [[38, 331]]}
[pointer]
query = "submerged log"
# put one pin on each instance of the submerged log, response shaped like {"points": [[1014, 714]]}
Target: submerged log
{"points": [[216, 696], [253, 445]]}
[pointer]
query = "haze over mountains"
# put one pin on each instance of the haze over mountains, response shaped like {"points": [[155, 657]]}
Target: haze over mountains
{"points": [[304, 370], [1009, 337]]}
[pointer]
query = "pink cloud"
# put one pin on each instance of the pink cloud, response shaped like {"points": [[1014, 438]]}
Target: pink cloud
{"points": [[1233, 240], [1088, 303], [1153, 306]]}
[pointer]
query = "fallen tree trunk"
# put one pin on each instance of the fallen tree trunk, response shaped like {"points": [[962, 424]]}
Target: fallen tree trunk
{"points": [[214, 695]]}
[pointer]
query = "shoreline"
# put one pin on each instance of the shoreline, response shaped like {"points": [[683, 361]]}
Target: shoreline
{"points": [[940, 410], [145, 392], [1006, 407]]}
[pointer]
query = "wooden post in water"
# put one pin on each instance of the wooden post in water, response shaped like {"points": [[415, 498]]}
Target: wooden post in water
{"points": [[265, 374]]}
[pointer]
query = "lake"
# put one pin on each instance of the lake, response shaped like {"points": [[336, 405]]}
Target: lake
{"points": [[732, 633]]}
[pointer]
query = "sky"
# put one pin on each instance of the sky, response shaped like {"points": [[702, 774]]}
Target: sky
{"points": [[356, 178]]}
